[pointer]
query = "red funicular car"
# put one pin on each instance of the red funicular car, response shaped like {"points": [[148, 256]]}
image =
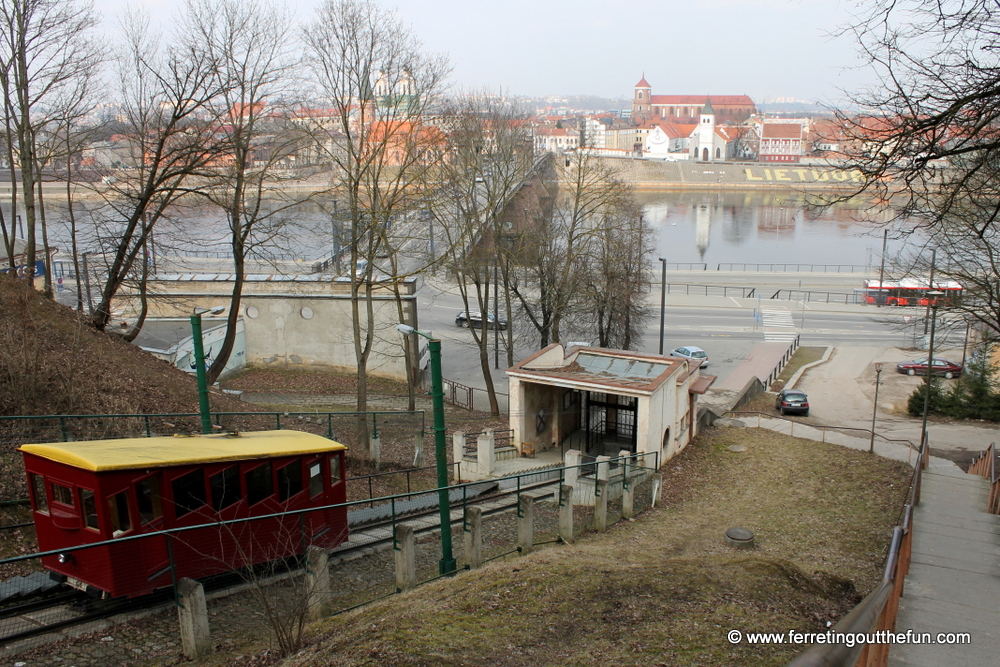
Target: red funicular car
{"points": [[109, 490]]}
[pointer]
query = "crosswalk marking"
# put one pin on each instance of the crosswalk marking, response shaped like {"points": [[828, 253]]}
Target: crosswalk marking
{"points": [[778, 325]]}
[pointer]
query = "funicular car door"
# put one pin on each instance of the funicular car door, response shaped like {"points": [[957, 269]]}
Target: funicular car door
{"points": [[317, 523], [155, 558]]}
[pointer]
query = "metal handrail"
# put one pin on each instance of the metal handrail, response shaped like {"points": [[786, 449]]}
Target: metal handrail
{"points": [[868, 431]]}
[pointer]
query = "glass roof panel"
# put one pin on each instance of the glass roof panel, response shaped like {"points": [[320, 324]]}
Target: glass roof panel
{"points": [[618, 367]]}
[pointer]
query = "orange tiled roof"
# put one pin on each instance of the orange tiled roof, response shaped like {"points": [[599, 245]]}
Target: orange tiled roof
{"points": [[781, 131]]}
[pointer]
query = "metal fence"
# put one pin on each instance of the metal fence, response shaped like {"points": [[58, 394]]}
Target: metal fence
{"points": [[274, 596], [796, 268], [711, 290]]}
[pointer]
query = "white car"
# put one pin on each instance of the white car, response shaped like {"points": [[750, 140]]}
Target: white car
{"points": [[691, 352]]}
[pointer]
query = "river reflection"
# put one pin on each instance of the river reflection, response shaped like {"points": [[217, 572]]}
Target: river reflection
{"points": [[714, 227], [718, 227]]}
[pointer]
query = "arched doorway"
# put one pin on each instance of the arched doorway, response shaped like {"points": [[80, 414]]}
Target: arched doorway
{"points": [[704, 155]]}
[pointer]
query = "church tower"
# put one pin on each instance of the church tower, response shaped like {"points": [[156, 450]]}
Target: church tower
{"points": [[641, 103], [706, 133]]}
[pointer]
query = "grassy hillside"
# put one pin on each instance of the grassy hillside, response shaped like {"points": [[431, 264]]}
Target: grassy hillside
{"points": [[53, 362]]}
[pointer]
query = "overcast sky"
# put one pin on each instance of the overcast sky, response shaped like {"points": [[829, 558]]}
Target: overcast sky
{"points": [[763, 48]]}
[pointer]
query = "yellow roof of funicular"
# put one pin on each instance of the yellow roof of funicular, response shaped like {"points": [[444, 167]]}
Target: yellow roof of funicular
{"points": [[128, 453]]}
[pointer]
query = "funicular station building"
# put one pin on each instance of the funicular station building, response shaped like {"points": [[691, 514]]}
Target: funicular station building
{"points": [[579, 403]]}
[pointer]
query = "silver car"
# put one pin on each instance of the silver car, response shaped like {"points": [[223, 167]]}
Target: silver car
{"points": [[691, 352]]}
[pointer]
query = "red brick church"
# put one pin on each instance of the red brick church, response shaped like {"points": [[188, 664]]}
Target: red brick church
{"points": [[685, 109]]}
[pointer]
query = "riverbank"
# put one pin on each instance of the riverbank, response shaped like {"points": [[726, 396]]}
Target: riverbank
{"points": [[643, 174], [659, 175]]}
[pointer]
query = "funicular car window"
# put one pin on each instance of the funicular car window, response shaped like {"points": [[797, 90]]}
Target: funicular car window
{"points": [[225, 488], [89, 507], [62, 494], [121, 522], [334, 469], [38, 493], [260, 484], [289, 480], [147, 494], [315, 479], [189, 492]]}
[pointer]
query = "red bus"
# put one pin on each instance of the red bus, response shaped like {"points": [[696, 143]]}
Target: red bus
{"points": [[910, 292]]}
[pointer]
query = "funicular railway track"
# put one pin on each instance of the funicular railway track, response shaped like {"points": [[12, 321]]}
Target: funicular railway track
{"points": [[61, 609]]}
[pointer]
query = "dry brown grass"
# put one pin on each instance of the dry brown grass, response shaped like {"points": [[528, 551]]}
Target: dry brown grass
{"points": [[665, 589]]}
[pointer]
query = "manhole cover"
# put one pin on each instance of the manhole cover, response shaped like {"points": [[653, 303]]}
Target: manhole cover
{"points": [[741, 538], [737, 448]]}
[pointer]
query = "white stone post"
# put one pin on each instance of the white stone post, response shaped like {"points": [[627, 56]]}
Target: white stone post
{"points": [[458, 454], [601, 505], [566, 514], [526, 523], [318, 592], [485, 454], [406, 567], [474, 536], [573, 459], [192, 611]]}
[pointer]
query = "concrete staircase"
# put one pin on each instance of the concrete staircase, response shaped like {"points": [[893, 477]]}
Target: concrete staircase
{"points": [[954, 580]]}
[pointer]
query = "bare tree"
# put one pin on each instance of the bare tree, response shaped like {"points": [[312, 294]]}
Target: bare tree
{"points": [[250, 43], [47, 61], [488, 158], [369, 70], [930, 149], [555, 250], [931, 145], [167, 93], [617, 277]]}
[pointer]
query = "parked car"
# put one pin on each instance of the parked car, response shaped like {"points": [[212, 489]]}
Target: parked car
{"points": [[475, 319], [919, 367], [792, 401], [691, 352]]}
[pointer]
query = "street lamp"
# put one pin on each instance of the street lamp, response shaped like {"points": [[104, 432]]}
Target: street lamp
{"points": [[447, 562], [933, 303], [199, 365], [663, 298], [878, 381]]}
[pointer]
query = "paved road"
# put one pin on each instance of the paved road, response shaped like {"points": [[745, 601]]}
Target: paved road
{"points": [[727, 327], [842, 392]]}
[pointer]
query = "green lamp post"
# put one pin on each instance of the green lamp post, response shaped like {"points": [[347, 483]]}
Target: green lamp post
{"points": [[199, 365], [447, 562]]}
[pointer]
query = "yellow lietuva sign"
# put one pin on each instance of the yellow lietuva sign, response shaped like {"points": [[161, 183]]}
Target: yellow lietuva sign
{"points": [[802, 175]]}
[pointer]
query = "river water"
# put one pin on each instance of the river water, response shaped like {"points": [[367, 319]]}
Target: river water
{"points": [[755, 227], [712, 227]]}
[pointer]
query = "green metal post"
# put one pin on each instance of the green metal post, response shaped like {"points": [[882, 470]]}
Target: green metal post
{"points": [[447, 563], [199, 364]]}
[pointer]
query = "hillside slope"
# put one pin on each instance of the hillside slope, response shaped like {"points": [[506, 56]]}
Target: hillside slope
{"points": [[53, 362]]}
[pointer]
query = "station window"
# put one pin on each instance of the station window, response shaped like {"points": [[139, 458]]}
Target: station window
{"points": [[225, 488], [260, 485], [189, 492], [121, 522], [62, 494], [289, 480], [334, 469], [89, 506], [38, 493], [315, 479], [147, 493]]}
